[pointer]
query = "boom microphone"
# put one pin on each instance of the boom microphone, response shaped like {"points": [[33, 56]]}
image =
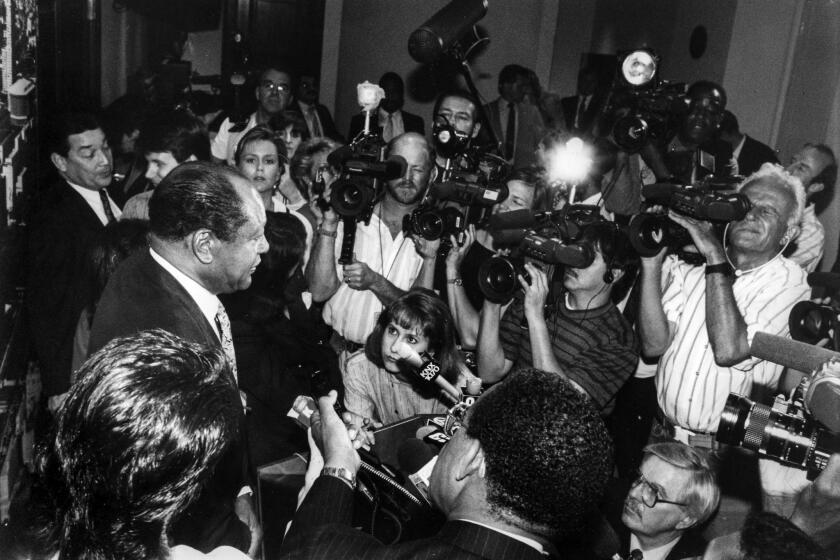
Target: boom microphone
{"points": [[789, 353], [439, 33]]}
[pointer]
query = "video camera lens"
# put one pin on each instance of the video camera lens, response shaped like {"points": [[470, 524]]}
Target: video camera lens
{"points": [[782, 432], [350, 198], [497, 278], [811, 322], [643, 231], [433, 223]]}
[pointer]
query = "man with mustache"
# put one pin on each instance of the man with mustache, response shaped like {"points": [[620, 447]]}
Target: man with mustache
{"points": [[65, 226], [386, 262], [675, 491]]}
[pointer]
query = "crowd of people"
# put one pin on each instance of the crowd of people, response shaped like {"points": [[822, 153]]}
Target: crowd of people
{"points": [[178, 311]]}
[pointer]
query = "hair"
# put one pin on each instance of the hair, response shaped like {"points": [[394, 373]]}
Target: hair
{"points": [[729, 123], [531, 176], [828, 176], [262, 70], [68, 124], [261, 133], [197, 195], [286, 237], [511, 72], [122, 117], [138, 436], [409, 138], [119, 240], [178, 132], [768, 536], [703, 492], [787, 181], [285, 119], [301, 164], [701, 85], [420, 309], [617, 252], [461, 94], [547, 453], [392, 76]]}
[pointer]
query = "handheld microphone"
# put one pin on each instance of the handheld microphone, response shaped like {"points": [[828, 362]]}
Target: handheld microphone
{"points": [[428, 371], [439, 33]]}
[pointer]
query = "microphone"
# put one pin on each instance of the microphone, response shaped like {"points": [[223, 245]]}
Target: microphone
{"points": [[428, 371], [429, 41], [550, 251], [392, 168], [824, 279], [789, 353], [468, 194]]}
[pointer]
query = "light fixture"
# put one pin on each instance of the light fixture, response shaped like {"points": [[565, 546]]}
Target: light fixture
{"points": [[639, 68]]}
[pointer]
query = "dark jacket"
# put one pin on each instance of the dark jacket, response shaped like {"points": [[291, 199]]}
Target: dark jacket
{"points": [[411, 123], [753, 154]]}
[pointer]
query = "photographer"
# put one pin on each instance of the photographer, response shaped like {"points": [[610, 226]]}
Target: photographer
{"points": [[459, 110], [572, 329], [385, 262], [701, 319]]}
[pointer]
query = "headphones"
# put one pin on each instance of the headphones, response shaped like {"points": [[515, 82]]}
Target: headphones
{"points": [[609, 275]]}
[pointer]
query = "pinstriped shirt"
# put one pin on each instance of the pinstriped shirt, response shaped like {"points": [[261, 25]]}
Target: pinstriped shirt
{"points": [[691, 388], [810, 241]]}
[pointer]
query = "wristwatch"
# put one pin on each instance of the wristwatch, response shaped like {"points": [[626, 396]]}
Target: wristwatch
{"points": [[721, 268], [456, 281], [342, 473]]}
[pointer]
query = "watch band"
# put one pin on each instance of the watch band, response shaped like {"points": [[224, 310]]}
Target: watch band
{"points": [[342, 473], [326, 233], [456, 281], [721, 268]]}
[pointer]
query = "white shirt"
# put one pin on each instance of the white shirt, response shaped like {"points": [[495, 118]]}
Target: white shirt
{"points": [[353, 313], [224, 143], [397, 125], [810, 242], [691, 388], [95, 202], [737, 151], [658, 553], [208, 303]]}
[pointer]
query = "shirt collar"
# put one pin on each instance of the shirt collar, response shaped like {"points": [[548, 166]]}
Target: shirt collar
{"points": [[207, 302], [658, 553], [93, 200], [521, 538]]}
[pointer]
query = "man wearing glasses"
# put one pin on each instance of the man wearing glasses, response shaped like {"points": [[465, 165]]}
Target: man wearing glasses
{"points": [[274, 93], [674, 492]]}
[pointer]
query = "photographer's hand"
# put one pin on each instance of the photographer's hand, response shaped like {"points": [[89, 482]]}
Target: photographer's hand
{"points": [[457, 253], [818, 508], [704, 237], [536, 293], [359, 276], [426, 248]]}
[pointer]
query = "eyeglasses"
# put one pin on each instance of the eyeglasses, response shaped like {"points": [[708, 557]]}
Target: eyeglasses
{"points": [[279, 88], [650, 495]]}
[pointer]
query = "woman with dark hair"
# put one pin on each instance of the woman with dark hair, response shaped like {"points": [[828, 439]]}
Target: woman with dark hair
{"points": [[293, 131], [379, 382], [140, 433]]}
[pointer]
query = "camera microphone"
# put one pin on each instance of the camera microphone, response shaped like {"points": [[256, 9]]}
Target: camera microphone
{"points": [[345, 158], [551, 251], [429, 41], [468, 194]]}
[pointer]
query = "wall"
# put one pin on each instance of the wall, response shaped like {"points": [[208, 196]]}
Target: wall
{"points": [[374, 39], [124, 49]]}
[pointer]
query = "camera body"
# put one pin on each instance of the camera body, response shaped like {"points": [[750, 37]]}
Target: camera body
{"points": [[811, 322], [650, 114], [801, 431]]}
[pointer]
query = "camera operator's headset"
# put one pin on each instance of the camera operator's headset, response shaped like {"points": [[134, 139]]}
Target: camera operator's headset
{"points": [[609, 276]]}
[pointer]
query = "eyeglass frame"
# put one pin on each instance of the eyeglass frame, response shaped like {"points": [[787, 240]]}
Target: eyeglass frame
{"points": [[648, 487], [272, 86]]}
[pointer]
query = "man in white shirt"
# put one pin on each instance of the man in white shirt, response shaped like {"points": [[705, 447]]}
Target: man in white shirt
{"points": [[273, 93], [66, 225]]}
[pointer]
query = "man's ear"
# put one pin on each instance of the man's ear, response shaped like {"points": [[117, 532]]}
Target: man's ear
{"points": [[203, 245], [686, 522], [790, 234], [617, 274], [471, 461], [59, 161], [433, 173], [814, 188], [476, 129]]}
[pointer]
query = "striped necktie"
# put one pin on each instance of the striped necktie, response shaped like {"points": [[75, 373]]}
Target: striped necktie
{"points": [[106, 206]]}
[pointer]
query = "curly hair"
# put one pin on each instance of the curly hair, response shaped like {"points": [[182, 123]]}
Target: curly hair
{"points": [[138, 436], [547, 454], [767, 536]]}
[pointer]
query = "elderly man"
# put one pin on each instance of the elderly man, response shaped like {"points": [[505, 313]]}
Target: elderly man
{"points": [[273, 93], [207, 233], [62, 231], [386, 262], [701, 319], [502, 481], [674, 493]]}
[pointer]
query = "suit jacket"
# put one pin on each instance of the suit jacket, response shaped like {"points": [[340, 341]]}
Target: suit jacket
{"points": [[529, 131], [587, 119], [327, 123], [753, 155], [411, 123], [142, 295], [322, 530], [60, 281]]}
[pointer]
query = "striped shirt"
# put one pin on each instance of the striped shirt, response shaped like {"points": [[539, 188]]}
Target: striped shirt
{"points": [[691, 388], [596, 348], [352, 313], [809, 244]]}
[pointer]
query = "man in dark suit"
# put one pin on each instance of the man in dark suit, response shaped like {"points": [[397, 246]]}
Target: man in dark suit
{"points": [[206, 236], [580, 110], [518, 126], [674, 493], [389, 120], [503, 480], [750, 153], [318, 119], [62, 232]]}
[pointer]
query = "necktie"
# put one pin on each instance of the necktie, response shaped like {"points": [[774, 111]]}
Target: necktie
{"points": [[510, 133], [636, 554], [316, 126], [223, 324], [388, 131], [106, 205]]}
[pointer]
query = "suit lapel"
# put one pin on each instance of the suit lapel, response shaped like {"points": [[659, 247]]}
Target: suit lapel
{"points": [[485, 542], [76, 204]]}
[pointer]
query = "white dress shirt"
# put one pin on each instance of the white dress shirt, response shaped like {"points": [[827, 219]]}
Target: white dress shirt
{"points": [[95, 202]]}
